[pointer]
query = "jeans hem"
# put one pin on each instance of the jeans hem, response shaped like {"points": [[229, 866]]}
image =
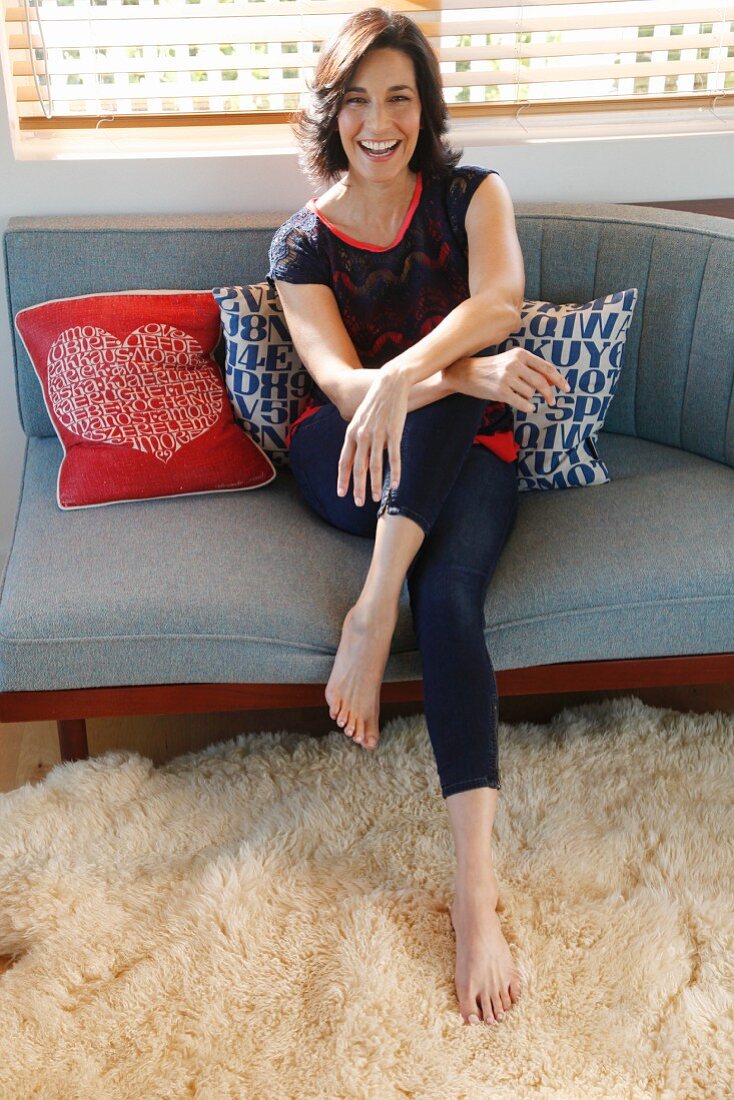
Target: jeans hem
{"points": [[401, 510], [470, 785]]}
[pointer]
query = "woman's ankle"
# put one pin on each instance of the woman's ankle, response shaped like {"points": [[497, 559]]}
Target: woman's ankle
{"points": [[372, 608], [476, 884]]}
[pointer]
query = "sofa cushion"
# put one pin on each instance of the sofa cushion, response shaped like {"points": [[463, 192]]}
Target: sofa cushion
{"points": [[136, 398], [682, 263], [266, 380], [254, 587], [585, 343]]}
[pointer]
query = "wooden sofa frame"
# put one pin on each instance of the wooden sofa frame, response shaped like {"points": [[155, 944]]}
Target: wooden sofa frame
{"points": [[64, 707]]}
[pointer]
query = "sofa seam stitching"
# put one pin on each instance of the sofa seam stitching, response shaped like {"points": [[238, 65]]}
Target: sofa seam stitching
{"points": [[691, 345], [301, 645]]}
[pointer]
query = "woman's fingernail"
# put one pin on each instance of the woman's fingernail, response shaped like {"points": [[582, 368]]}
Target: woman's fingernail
{"points": [[340, 491]]}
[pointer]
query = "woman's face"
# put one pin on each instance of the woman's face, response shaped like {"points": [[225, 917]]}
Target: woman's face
{"points": [[381, 104]]}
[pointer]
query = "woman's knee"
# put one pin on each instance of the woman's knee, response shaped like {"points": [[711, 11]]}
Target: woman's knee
{"points": [[339, 512], [447, 598]]}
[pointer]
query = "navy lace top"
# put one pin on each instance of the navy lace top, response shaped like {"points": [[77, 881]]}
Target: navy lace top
{"points": [[391, 297]]}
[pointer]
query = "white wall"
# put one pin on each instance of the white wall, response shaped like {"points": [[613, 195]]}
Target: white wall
{"points": [[635, 169]]}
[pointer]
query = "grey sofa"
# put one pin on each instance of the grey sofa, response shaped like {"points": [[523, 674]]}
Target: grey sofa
{"points": [[236, 600]]}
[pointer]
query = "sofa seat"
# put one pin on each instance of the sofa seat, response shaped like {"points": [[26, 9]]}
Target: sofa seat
{"points": [[252, 587]]}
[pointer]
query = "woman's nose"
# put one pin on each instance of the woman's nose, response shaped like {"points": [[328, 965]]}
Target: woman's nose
{"points": [[379, 114]]}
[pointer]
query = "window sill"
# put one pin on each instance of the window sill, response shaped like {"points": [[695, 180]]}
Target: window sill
{"points": [[120, 143]]}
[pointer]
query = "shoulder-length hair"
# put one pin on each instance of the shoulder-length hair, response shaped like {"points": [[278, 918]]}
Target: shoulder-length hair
{"points": [[321, 154]]}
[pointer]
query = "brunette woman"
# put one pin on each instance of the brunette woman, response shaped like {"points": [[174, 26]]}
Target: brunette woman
{"points": [[393, 282]]}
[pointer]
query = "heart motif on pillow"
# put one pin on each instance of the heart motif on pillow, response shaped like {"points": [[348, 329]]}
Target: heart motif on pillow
{"points": [[155, 391]]}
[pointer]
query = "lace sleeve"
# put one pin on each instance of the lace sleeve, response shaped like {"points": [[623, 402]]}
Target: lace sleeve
{"points": [[294, 257]]}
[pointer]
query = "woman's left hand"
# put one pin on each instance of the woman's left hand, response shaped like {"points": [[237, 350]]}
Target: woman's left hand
{"points": [[377, 423]]}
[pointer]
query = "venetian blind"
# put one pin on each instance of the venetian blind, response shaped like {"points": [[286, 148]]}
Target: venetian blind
{"points": [[144, 62]]}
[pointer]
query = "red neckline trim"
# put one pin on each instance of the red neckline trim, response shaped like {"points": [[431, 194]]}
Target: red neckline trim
{"points": [[364, 244]]}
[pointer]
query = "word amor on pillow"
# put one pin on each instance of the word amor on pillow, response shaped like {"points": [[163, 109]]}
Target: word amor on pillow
{"points": [[267, 383]]}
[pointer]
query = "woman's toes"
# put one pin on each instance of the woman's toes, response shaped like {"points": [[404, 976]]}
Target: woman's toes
{"points": [[343, 715], [515, 990], [372, 725], [469, 1010], [334, 707]]}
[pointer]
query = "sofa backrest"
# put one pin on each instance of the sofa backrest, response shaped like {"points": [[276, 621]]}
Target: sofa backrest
{"points": [[677, 381]]}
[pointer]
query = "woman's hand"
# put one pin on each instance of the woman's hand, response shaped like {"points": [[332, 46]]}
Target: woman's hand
{"points": [[513, 377], [377, 423]]}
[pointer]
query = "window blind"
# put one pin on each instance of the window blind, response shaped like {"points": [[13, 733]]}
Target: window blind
{"points": [[168, 62]]}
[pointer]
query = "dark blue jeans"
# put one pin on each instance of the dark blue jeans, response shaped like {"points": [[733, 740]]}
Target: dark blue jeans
{"points": [[465, 499]]}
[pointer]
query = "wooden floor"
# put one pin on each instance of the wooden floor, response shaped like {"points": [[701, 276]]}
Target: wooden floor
{"points": [[28, 750]]}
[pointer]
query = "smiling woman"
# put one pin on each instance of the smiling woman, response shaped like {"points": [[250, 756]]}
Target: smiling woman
{"points": [[392, 284]]}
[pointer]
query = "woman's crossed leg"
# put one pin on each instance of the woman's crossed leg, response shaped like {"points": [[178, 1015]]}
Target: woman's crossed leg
{"points": [[448, 570], [436, 443]]}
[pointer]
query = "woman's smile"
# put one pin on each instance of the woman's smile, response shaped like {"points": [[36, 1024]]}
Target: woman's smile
{"points": [[378, 150]]}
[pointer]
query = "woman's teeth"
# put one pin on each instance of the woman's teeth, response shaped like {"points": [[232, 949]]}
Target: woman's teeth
{"points": [[380, 153]]}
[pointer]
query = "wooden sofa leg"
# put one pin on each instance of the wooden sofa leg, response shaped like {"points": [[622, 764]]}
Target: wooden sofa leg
{"points": [[73, 739]]}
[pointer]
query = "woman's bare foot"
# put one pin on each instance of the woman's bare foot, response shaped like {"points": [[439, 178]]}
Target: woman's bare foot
{"points": [[353, 690], [487, 980]]}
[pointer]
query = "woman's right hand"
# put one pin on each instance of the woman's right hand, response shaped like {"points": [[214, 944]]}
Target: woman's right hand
{"points": [[513, 377]]}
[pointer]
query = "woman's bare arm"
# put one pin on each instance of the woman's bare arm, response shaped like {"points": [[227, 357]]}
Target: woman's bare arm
{"points": [[496, 278], [328, 353], [353, 385]]}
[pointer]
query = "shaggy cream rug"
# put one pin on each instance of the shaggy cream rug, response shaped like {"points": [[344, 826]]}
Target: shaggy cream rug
{"points": [[269, 919]]}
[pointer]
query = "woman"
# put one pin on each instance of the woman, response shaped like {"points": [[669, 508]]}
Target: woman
{"points": [[411, 264]]}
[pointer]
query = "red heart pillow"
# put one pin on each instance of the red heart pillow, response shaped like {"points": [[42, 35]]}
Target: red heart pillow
{"points": [[136, 398]]}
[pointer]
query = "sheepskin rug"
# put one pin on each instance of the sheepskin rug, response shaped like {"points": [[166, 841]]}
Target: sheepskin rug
{"points": [[269, 919]]}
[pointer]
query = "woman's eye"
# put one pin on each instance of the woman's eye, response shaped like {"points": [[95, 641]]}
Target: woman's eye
{"points": [[359, 99]]}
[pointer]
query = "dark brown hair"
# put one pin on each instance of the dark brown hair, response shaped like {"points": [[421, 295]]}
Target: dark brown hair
{"points": [[322, 157]]}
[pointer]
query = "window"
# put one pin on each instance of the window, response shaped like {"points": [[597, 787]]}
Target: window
{"points": [[80, 64]]}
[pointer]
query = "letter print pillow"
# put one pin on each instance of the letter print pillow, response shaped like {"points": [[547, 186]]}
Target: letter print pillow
{"points": [[136, 399], [586, 344], [267, 383]]}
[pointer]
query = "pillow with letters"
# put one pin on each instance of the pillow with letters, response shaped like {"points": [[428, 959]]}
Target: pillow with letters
{"points": [[267, 383], [136, 399], [586, 345]]}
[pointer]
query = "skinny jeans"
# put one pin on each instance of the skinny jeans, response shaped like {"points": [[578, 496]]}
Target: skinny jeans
{"points": [[465, 498]]}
